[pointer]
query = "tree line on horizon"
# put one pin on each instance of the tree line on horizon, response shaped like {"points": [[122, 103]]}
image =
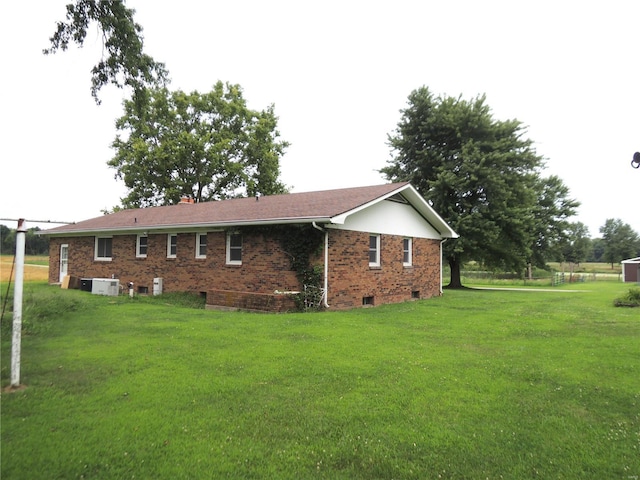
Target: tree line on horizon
{"points": [[34, 244], [482, 175]]}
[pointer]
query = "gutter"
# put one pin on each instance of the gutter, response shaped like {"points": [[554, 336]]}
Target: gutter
{"points": [[182, 227], [326, 263]]}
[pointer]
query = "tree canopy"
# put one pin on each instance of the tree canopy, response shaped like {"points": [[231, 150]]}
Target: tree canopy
{"points": [[620, 241], [482, 176], [577, 245], [554, 235], [124, 62], [34, 244], [207, 146]]}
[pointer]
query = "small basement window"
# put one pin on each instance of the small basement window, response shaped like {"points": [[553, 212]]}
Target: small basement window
{"points": [[415, 294], [143, 290], [367, 300]]}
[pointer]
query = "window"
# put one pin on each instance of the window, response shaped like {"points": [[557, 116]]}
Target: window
{"points": [[201, 245], [234, 249], [172, 245], [103, 248], [374, 250], [407, 246], [141, 246]]}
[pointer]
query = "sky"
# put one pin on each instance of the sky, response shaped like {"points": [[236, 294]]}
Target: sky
{"points": [[338, 74]]}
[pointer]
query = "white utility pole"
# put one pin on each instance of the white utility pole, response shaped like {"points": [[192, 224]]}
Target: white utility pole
{"points": [[17, 304]]}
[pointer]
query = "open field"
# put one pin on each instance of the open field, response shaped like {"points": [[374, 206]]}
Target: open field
{"points": [[560, 273], [588, 267], [476, 384], [36, 268]]}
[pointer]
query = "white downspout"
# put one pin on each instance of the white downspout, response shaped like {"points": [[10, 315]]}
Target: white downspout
{"points": [[441, 273], [326, 262]]}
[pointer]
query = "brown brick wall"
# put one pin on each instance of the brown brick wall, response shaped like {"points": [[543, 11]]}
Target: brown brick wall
{"points": [[351, 278], [265, 267]]}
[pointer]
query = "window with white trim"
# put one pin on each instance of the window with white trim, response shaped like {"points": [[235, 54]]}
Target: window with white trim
{"points": [[407, 252], [201, 245], [234, 249], [142, 243], [374, 250], [103, 249], [172, 245]]}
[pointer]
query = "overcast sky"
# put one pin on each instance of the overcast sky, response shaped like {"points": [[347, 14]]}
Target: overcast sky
{"points": [[338, 73]]}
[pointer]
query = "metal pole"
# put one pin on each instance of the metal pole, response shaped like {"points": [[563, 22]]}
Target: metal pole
{"points": [[17, 305]]}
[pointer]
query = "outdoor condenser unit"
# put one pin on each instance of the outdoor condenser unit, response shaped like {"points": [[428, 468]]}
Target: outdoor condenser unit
{"points": [[157, 286], [105, 286], [86, 284]]}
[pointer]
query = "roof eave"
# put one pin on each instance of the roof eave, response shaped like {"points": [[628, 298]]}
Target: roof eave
{"points": [[186, 226]]}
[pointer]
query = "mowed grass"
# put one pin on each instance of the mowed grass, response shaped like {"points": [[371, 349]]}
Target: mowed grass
{"points": [[475, 384]]}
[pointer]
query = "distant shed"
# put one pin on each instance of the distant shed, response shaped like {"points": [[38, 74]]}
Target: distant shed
{"points": [[631, 270]]}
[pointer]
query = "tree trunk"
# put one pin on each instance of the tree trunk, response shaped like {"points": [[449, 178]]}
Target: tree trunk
{"points": [[455, 282]]}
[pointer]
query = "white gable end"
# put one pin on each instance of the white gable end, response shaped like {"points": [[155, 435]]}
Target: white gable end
{"points": [[391, 218]]}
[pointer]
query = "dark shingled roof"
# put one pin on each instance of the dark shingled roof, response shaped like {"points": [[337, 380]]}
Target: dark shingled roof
{"points": [[304, 207]]}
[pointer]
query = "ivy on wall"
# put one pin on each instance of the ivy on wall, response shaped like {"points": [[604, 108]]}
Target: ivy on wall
{"points": [[301, 242]]}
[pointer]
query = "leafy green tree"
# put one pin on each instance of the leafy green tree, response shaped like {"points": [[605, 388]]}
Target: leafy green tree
{"points": [[620, 241], [480, 174], [576, 247], [36, 244], [207, 146], [123, 62], [7, 240], [552, 210], [597, 250]]}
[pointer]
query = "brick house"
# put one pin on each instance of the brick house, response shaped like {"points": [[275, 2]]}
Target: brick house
{"points": [[369, 246]]}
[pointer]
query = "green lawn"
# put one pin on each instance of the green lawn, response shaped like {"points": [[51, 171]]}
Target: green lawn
{"points": [[476, 384]]}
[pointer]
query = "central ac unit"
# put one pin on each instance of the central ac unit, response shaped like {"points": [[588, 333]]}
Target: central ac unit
{"points": [[105, 286]]}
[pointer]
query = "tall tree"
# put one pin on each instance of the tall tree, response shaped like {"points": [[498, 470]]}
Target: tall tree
{"points": [[7, 240], [552, 230], [597, 250], [576, 247], [479, 173], [207, 146], [620, 241], [124, 61], [36, 244]]}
